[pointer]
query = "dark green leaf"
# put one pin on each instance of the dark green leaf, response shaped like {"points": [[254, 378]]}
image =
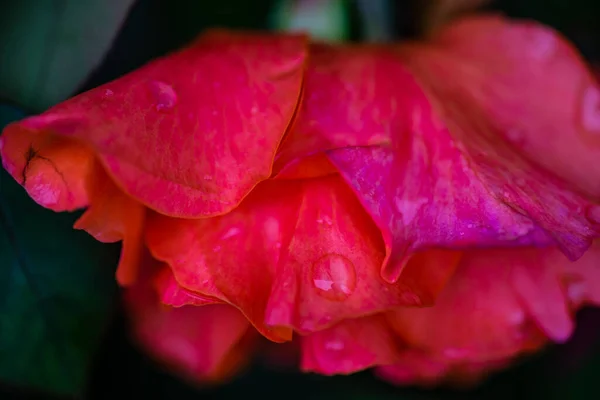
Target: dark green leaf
{"points": [[56, 292], [49, 47]]}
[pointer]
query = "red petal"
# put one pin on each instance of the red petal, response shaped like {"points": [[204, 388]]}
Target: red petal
{"points": [[294, 254], [528, 84], [353, 96], [189, 134], [350, 346], [202, 343], [113, 216], [454, 180], [233, 257], [497, 295]]}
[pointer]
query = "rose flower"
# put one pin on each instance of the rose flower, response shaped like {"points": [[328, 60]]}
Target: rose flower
{"points": [[427, 208]]}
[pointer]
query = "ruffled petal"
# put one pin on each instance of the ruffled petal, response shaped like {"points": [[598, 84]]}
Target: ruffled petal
{"points": [[295, 255], [501, 303], [201, 343], [455, 179], [187, 135], [530, 86]]}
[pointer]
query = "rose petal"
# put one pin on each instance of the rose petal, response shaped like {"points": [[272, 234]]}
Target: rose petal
{"points": [[455, 179], [298, 255], [498, 296], [201, 343], [232, 257], [350, 346], [528, 84], [353, 96], [189, 134]]}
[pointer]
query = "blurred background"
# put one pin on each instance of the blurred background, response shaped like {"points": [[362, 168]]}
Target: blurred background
{"points": [[52, 49]]}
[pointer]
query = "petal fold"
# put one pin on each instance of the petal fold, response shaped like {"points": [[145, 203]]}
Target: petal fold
{"points": [[189, 134]]}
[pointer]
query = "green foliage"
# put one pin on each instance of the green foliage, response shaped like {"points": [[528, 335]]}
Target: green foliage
{"points": [[49, 47], [56, 292]]}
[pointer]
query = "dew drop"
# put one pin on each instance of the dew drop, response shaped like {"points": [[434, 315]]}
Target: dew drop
{"points": [[590, 113], [515, 135], [521, 182], [208, 177], [411, 299], [164, 94], [334, 277], [454, 353], [543, 43], [108, 93], [576, 291], [231, 232], [335, 345]]}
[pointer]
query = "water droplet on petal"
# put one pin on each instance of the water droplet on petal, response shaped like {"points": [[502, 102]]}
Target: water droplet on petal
{"points": [[208, 177], [334, 277], [521, 182], [576, 292], [411, 299], [108, 93], [515, 135], [521, 230], [590, 113], [455, 353], [335, 345], [543, 43], [231, 232], [164, 94], [272, 230]]}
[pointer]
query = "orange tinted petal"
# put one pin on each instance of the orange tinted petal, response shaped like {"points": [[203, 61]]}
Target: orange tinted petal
{"points": [[54, 171], [114, 216], [298, 255]]}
